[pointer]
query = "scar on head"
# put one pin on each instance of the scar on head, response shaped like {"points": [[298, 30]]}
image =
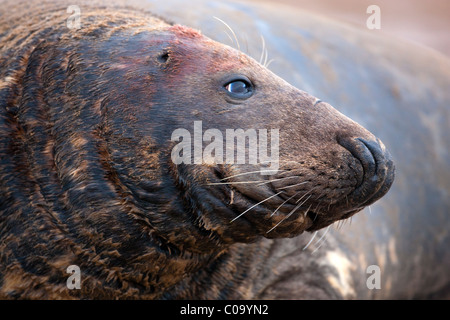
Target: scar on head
{"points": [[185, 31]]}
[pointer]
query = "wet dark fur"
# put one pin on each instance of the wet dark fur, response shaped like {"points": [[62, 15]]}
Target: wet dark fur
{"points": [[85, 177]]}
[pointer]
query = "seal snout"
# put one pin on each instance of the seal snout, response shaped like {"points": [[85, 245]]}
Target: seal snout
{"points": [[377, 173]]}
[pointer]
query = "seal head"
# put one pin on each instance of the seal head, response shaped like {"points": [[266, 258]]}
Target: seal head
{"points": [[329, 166]]}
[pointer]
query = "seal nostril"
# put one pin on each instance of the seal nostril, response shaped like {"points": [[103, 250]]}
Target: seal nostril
{"points": [[378, 169], [374, 150], [359, 149]]}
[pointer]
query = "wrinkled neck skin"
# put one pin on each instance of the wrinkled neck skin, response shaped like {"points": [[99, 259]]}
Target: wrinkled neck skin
{"points": [[230, 276], [267, 269]]}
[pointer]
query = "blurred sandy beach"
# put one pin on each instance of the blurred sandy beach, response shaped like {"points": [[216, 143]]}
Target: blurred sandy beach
{"points": [[424, 22]]}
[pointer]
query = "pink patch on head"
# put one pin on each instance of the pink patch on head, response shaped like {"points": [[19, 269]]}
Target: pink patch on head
{"points": [[185, 31]]}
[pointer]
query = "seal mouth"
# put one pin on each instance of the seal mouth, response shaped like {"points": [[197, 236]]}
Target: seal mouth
{"points": [[270, 214]]}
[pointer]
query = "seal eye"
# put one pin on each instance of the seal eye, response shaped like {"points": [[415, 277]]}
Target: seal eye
{"points": [[239, 88]]}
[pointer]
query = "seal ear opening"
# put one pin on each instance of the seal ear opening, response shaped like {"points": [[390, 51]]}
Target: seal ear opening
{"points": [[162, 58]]}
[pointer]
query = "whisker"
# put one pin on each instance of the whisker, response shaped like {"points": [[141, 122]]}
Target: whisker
{"points": [[268, 63], [306, 198], [328, 228], [294, 185], [316, 210], [283, 203], [263, 48], [246, 44], [290, 213], [232, 32], [233, 182], [307, 210], [278, 179], [256, 205], [260, 182], [343, 222], [266, 57], [249, 172], [312, 238], [310, 190], [229, 36]]}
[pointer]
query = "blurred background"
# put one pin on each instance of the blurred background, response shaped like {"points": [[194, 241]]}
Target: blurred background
{"points": [[423, 22]]}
